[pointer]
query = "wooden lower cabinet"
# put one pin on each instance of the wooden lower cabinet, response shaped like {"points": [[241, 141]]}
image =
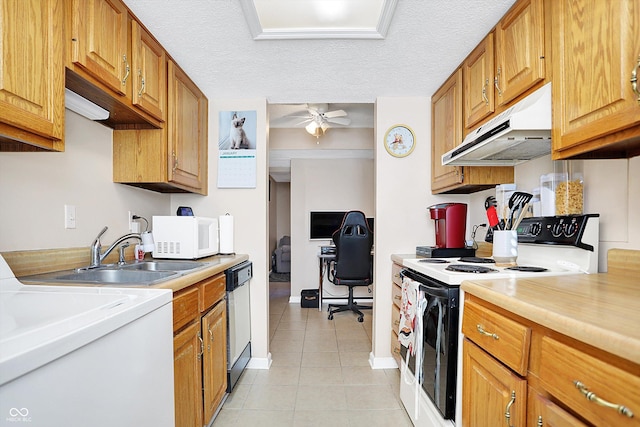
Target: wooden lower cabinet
{"points": [[492, 395], [214, 358], [543, 412], [200, 351], [545, 392], [396, 298], [187, 377]]}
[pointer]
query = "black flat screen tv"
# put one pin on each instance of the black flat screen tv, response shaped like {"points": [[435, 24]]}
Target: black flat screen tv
{"points": [[322, 224]]}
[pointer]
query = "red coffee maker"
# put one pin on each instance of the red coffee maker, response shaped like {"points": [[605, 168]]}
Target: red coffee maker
{"points": [[451, 226]]}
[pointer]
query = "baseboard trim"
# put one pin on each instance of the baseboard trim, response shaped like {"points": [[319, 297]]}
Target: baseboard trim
{"points": [[382, 362], [260, 362]]}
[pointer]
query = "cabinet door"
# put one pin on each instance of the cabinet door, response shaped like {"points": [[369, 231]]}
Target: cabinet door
{"points": [[542, 412], [188, 377], [187, 131], [214, 362], [446, 131], [492, 395], [479, 101], [32, 70], [520, 61], [149, 68], [596, 48], [100, 41]]}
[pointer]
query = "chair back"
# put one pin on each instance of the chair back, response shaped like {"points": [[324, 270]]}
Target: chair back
{"points": [[353, 240]]}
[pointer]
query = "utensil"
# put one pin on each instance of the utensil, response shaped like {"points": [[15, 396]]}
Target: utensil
{"points": [[520, 216], [492, 215], [517, 200]]}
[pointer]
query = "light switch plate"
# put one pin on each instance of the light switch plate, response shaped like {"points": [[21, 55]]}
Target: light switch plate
{"points": [[69, 216]]}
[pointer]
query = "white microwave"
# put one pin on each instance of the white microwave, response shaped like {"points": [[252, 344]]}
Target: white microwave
{"points": [[184, 237]]}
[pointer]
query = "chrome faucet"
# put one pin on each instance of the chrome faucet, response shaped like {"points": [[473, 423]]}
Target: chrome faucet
{"points": [[96, 247]]}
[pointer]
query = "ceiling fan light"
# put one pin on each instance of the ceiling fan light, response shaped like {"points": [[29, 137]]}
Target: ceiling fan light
{"points": [[311, 128], [324, 126]]}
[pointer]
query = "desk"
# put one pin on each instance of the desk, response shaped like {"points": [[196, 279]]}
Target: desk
{"points": [[323, 264]]}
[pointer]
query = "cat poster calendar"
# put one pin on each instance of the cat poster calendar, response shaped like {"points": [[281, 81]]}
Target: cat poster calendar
{"points": [[237, 162]]}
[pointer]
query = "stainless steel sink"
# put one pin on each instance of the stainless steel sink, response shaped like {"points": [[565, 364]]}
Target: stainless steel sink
{"points": [[144, 273], [165, 265], [117, 276]]}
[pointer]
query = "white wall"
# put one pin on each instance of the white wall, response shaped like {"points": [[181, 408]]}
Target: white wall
{"points": [[611, 188], [403, 193], [324, 185], [249, 207], [34, 187]]}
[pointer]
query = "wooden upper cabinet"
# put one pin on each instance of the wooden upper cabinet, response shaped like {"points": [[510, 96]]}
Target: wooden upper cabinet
{"points": [[446, 131], [519, 54], [478, 76], [100, 42], [596, 49], [149, 68], [31, 75], [187, 131]]}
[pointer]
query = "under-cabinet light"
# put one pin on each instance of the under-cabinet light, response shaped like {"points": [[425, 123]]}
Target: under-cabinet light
{"points": [[83, 106]]}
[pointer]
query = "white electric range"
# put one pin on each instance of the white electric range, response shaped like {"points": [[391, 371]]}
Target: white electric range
{"points": [[547, 246]]}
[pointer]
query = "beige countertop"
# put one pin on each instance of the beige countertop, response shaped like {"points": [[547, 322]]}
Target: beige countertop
{"points": [[602, 310], [25, 263]]}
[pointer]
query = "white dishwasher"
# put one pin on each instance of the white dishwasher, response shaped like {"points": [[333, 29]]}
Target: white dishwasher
{"points": [[84, 356]]}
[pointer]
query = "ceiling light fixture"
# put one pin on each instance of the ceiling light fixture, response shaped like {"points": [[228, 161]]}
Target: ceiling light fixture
{"points": [[317, 128], [83, 106]]}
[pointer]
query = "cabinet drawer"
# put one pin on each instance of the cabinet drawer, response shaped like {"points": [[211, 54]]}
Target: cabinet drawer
{"points": [[395, 348], [395, 274], [396, 293], [212, 290], [504, 338], [562, 366], [395, 318], [185, 307]]}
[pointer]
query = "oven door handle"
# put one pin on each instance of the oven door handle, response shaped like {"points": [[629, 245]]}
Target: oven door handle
{"points": [[431, 288], [434, 291]]}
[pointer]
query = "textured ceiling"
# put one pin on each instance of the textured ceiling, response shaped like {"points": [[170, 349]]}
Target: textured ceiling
{"points": [[426, 40]]}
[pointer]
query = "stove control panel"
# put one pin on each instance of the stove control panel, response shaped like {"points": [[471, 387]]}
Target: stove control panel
{"points": [[568, 230]]}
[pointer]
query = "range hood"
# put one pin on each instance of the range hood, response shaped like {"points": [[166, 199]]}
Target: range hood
{"points": [[520, 133]]}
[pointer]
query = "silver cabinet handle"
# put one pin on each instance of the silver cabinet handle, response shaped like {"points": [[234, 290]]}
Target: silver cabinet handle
{"points": [[591, 396], [507, 410], [484, 92], [634, 79], [496, 81], [127, 69], [480, 329], [201, 346], [141, 83]]}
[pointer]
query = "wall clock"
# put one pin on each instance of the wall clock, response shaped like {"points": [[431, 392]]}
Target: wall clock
{"points": [[399, 140]]}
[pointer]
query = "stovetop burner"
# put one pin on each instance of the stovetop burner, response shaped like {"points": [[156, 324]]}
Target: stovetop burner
{"points": [[527, 269], [476, 260], [434, 261], [465, 268]]}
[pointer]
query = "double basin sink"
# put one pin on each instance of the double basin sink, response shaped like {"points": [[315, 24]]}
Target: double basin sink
{"points": [[142, 273]]}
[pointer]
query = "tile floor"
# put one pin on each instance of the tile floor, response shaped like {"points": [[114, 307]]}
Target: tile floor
{"points": [[320, 374]]}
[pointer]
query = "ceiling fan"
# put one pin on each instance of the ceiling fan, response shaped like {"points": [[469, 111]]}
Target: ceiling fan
{"points": [[318, 119]]}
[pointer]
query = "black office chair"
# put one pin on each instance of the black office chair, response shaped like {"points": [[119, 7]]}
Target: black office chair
{"points": [[353, 265]]}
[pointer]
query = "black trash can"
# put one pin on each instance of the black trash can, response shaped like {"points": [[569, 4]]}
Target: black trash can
{"points": [[309, 298]]}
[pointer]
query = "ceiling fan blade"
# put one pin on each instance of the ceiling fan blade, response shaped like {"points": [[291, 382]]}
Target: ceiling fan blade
{"points": [[336, 113], [339, 120]]}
